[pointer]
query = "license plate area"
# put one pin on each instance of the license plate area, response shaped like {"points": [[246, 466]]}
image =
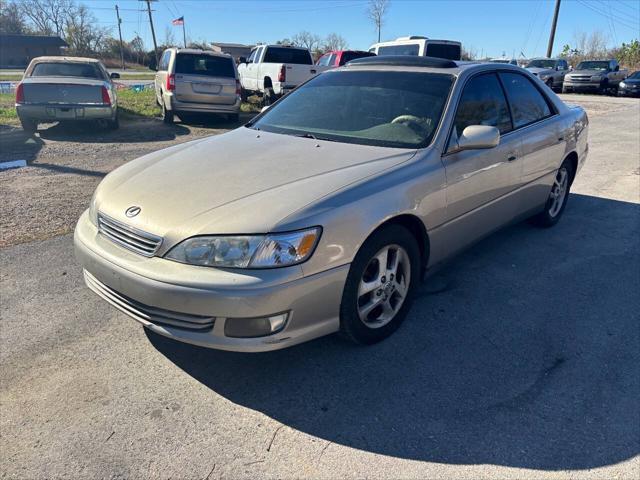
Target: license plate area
{"points": [[210, 88]]}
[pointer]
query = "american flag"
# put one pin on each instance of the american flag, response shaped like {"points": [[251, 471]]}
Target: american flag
{"points": [[178, 21]]}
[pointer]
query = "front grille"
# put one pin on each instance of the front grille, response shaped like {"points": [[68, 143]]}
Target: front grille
{"points": [[146, 314], [128, 237], [581, 78]]}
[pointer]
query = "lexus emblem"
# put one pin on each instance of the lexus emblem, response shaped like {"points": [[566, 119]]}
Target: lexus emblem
{"points": [[132, 211]]}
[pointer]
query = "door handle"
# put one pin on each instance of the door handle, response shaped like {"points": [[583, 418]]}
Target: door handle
{"points": [[511, 158], [313, 70], [561, 139]]}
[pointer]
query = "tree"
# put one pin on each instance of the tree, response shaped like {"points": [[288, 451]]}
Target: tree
{"points": [[334, 42], [376, 11], [307, 40], [169, 37], [11, 21], [82, 33], [49, 17]]}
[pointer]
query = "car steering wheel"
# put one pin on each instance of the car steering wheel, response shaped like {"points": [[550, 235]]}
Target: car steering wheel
{"points": [[417, 124]]}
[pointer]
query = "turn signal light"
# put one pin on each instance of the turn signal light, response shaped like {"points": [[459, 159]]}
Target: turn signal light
{"points": [[171, 82], [238, 87], [282, 75]]}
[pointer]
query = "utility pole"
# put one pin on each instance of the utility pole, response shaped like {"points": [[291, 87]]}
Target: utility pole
{"points": [[552, 34], [153, 32], [120, 35]]}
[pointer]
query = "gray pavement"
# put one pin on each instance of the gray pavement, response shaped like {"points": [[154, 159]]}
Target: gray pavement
{"points": [[520, 359]]}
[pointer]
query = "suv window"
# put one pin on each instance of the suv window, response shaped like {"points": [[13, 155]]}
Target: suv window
{"points": [[164, 61], [288, 55], [528, 105], [443, 50], [482, 103], [71, 69], [409, 49], [348, 56], [209, 65]]}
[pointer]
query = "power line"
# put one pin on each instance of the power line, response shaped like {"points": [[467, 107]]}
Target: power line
{"points": [[606, 15]]}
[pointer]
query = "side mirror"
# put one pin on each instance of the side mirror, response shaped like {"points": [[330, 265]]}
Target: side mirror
{"points": [[476, 137], [114, 75], [243, 59], [617, 69], [265, 108]]}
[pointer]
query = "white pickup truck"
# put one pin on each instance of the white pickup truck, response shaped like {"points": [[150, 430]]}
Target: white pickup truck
{"points": [[274, 70]]}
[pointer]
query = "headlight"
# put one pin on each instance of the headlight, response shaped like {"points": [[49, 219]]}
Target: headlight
{"points": [[247, 251], [544, 76], [623, 85]]}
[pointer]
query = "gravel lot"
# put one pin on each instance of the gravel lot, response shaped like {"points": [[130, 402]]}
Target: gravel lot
{"points": [[520, 359]]}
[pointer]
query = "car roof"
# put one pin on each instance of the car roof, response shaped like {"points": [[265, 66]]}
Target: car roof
{"points": [[411, 63], [65, 59], [200, 52]]}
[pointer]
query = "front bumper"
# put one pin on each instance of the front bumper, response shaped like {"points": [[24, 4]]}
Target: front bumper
{"points": [[55, 112], [629, 92], [581, 86], [312, 302]]}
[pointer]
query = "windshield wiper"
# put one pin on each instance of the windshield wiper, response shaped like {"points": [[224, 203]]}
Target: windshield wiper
{"points": [[306, 135]]}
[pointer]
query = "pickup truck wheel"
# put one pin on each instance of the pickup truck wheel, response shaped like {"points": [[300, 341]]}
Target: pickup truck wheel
{"points": [[380, 284], [604, 88], [268, 97], [167, 115], [558, 197], [29, 126], [550, 83]]}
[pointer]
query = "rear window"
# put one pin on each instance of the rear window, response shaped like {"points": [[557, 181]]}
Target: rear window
{"points": [[410, 49], [443, 50], [287, 55], [208, 65], [59, 69], [348, 56]]}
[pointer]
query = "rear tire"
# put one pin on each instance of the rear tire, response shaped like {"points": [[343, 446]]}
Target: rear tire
{"points": [[167, 115], [376, 299], [268, 97], [115, 123], [29, 126], [558, 197], [550, 83]]}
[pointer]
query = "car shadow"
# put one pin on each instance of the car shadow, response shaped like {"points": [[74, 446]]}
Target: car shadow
{"points": [[132, 130], [214, 120], [525, 354], [15, 144]]}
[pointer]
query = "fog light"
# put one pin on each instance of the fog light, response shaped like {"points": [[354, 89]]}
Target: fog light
{"points": [[254, 327]]}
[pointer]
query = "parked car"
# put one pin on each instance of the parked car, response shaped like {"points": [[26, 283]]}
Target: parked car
{"points": [[550, 70], [197, 81], [338, 58], [420, 46], [510, 61], [630, 86], [274, 70], [306, 222], [61, 89], [602, 76]]}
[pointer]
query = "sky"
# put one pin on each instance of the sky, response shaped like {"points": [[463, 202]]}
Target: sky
{"points": [[488, 27]]}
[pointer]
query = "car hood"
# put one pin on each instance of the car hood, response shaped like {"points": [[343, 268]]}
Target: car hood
{"points": [[243, 181], [541, 71], [632, 81], [588, 72]]}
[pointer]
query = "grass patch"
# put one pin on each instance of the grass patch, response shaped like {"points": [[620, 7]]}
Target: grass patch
{"points": [[8, 115], [139, 104]]}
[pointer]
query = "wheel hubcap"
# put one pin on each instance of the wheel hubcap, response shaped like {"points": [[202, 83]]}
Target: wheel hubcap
{"points": [[384, 286], [558, 192]]}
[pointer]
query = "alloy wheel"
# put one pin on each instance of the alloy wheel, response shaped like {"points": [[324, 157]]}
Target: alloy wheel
{"points": [[558, 191], [384, 286]]}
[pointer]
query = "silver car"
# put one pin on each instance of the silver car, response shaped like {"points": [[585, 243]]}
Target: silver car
{"points": [[63, 89], [324, 213], [197, 81]]}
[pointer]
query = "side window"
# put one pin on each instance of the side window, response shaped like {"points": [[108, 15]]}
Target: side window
{"points": [[563, 65], [324, 60], [164, 61], [252, 57], [332, 59], [258, 54], [482, 103], [528, 105]]}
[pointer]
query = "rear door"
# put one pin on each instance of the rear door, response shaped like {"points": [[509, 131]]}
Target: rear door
{"points": [[205, 78]]}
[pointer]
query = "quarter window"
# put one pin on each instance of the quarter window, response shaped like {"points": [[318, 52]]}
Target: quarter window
{"points": [[528, 105], [482, 103]]}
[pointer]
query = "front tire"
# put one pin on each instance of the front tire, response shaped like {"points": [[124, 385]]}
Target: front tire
{"points": [[379, 289], [550, 83], [558, 197]]}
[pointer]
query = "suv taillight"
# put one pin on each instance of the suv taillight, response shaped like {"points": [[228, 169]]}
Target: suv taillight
{"points": [[282, 75], [171, 82], [106, 99], [238, 88], [20, 93]]}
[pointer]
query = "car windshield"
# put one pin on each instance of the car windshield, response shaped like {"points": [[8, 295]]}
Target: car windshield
{"points": [[208, 65], [389, 109], [542, 64], [500, 60], [593, 66], [635, 75], [59, 69]]}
